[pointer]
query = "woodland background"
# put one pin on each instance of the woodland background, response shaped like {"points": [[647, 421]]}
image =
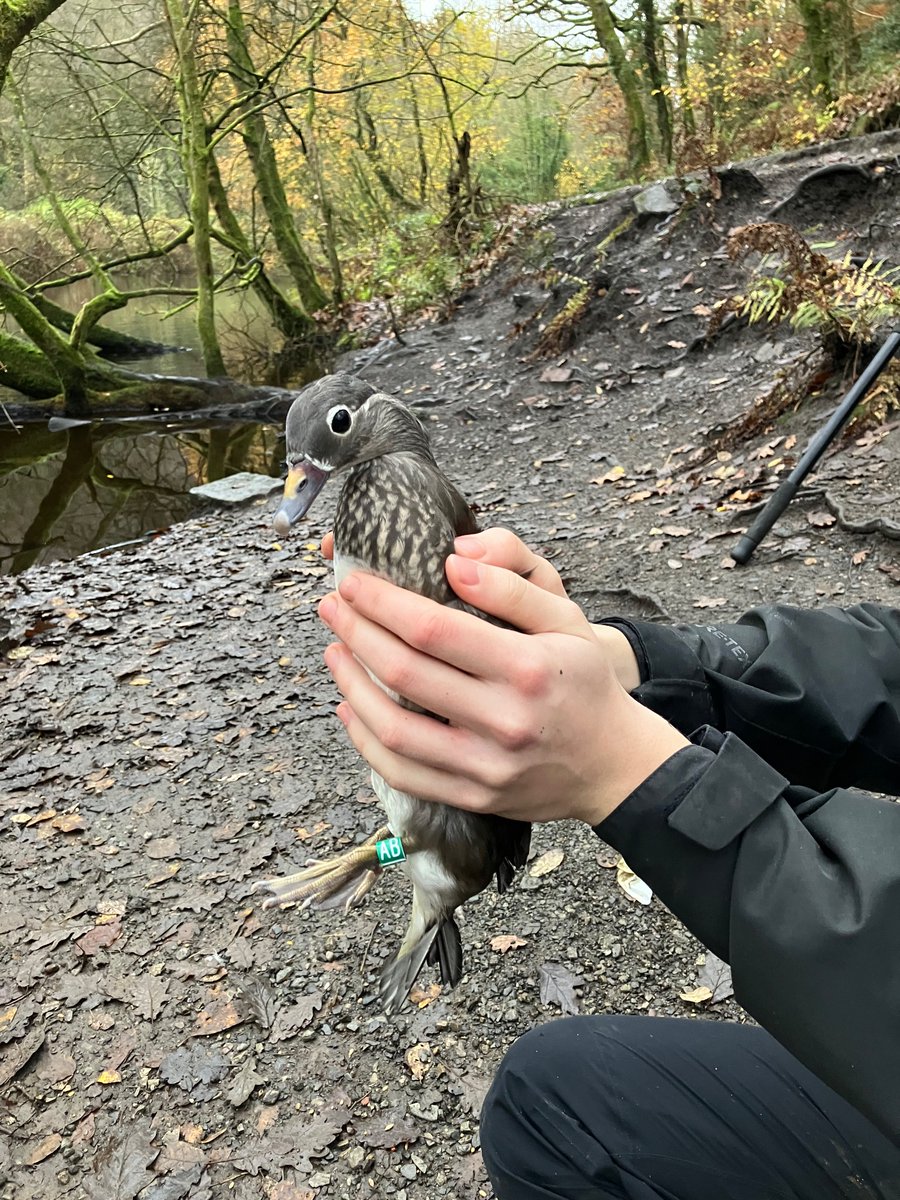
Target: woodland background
{"points": [[352, 160]]}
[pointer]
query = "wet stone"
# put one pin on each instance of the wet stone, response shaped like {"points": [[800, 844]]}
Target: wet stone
{"points": [[238, 489]]}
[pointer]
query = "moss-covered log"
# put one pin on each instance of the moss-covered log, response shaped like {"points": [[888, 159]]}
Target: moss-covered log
{"points": [[110, 342]]}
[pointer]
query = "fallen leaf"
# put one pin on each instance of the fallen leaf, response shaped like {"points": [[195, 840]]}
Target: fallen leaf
{"points": [[710, 602], [697, 995], [507, 941], [422, 997], [165, 847], [675, 530], [633, 887], [192, 1069], [221, 1015], [611, 475], [555, 375], [558, 986], [49, 1145], [120, 1171], [107, 1076], [859, 557], [261, 1002], [101, 937], [716, 976], [546, 862], [69, 823], [382, 1132], [285, 1190], [244, 1082], [21, 1053], [419, 1059], [820, 519], [289, 1021]]}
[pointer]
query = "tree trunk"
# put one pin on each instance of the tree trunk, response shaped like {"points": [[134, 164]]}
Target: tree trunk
{"points": [[686, 112], [195, 154], [653, 51], [831, 42], [265, 169], [17, 21], [292, 322], [626, 81]]}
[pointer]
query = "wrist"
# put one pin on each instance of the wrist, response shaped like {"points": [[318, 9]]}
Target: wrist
{"points": [[640, 743], [620, 654]]}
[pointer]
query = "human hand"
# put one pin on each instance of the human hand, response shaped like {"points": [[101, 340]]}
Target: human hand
{"points": [[501, 548], [539, 726]]}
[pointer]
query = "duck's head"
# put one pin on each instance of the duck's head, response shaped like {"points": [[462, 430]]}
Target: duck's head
{"points": [[335, 423]]}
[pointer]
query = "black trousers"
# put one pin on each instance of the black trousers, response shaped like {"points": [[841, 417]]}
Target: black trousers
{"points": [[647, 1108]]}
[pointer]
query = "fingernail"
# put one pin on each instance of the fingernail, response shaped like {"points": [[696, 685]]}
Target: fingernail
{"points": [[328, 609], [343, 714], [329, 655], [466, 570], [471, 545], [349, 587]]}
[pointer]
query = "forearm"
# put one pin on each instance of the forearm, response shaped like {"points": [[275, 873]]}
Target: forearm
{"points": [[797, 890]]}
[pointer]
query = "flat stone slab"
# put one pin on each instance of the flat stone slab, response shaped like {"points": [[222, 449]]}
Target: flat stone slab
{"points": [[655, 201], [238, 489]]}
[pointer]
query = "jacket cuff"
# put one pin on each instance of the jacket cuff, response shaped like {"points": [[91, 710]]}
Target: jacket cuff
{"points": [[673, 681], [709, 792]]}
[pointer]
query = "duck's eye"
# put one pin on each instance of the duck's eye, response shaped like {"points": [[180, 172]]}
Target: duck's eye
{"points": [[339, 420]]}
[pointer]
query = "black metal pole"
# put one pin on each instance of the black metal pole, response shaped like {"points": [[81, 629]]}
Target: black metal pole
{"points": [[787, 489]]}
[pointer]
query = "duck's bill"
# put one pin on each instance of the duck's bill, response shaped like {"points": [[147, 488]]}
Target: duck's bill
{"points": [[303, 484]]}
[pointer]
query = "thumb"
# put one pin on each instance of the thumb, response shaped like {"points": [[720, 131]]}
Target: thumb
{"points": [[507, 596]]}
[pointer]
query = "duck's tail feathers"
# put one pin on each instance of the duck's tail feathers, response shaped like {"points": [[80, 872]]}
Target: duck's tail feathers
{"points": [[440, 945]]}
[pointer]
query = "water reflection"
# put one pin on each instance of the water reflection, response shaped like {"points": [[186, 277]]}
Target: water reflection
{"points": [[98, 484]]}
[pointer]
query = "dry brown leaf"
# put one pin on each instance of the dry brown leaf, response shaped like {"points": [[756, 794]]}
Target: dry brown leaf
{"points": [[637, 497], [285, 1190], [710, 602], [49, 1145], [859, 558], [101, 937], [422, 997], [611, 475], [507, 941], [820, 519], [219, 1016], [69, 823], [418, 1059], [546, 862], [697, 995]]}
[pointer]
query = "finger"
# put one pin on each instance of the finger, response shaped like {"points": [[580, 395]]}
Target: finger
{"points": [[501, 548], [416, 736], [517, 601], [444, 634], [405, 775], [419, 677], [328, 545]]}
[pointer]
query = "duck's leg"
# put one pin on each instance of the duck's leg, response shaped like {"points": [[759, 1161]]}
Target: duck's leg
{"points": [[328, 883]]}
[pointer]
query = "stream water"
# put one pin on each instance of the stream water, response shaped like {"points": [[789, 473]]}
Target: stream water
{"points": [[63, 494]]}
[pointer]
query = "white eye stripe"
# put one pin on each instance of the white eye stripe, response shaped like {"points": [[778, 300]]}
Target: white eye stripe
{"points": [[332, 412]]}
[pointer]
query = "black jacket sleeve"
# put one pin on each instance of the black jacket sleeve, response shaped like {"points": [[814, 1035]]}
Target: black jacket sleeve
{"points": [[751, 837]]}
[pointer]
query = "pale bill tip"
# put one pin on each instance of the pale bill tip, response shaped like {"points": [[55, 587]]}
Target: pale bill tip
{"points": [[282, 523]]}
